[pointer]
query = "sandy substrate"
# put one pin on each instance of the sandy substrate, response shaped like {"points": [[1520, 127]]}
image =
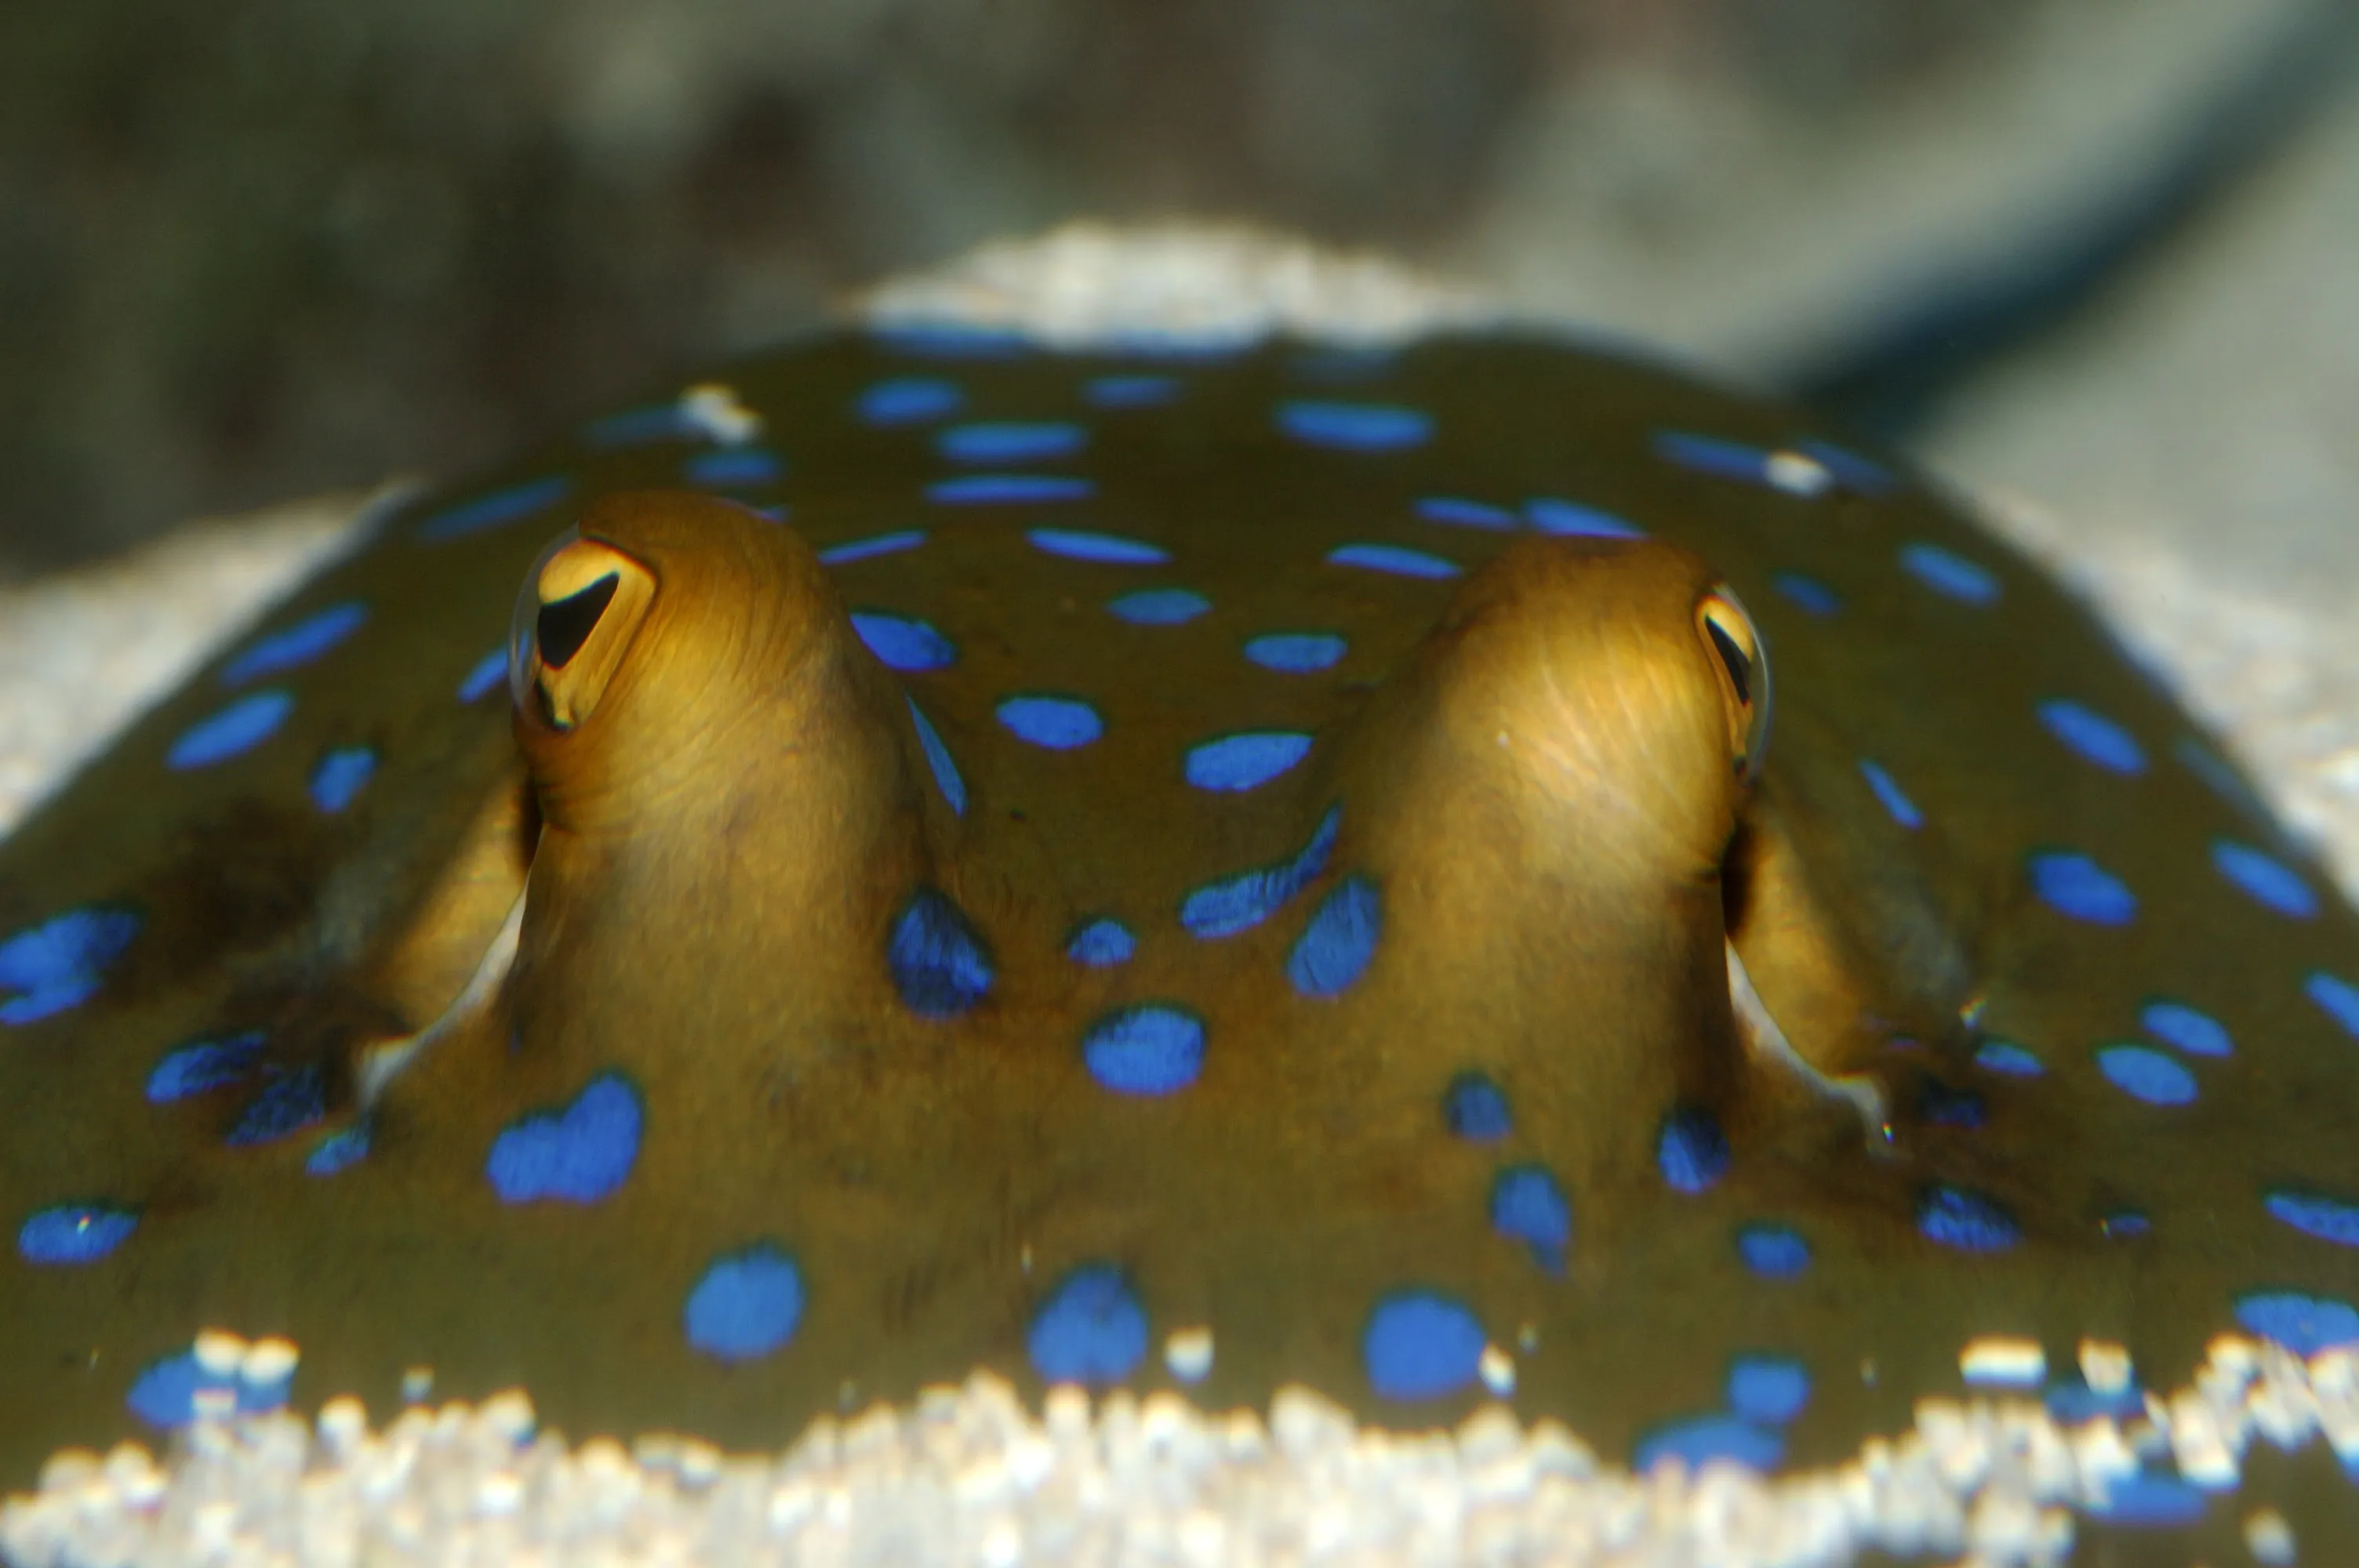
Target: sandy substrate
{"points": [[967, 1474]]}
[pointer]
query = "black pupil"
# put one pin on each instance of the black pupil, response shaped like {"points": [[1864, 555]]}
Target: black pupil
{"points": [[1740, 668], [566, 623]]}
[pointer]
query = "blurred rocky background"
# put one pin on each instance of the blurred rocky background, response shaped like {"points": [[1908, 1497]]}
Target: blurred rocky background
{"points": [[254, 248]]}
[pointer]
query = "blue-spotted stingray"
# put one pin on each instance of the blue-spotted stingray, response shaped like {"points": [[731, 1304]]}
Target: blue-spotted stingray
{"points": [[1480, 870]]}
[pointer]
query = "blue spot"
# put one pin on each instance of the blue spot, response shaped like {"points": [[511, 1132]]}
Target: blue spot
{"points": [[2147, 1074], [1771, 1390], [580, 1153], [731, 468], [1335, 946], [637, 427], [1006, 441], [1395, 559], [1700, 1440], [487, 674], [1895, 801], [490, 511], [1243, 901], [2094, 737], [1691, 1152], [241, 726], [1238, 762], [203, 1065], [2270, 882], [1807, 593], [2006, 1056], [874, 544], [1952, 576], [1296, 653], [1712, 455], [1969, 1221], [285, 1104], [1476, 1108], [1149, 1050], [2124, 1222], [1059, 723], [1771, 1250], [1527, 1206], [2339, 997], [2075, 1403], [69, 1234], [938, 961], [1940, 1105], [2316, 1215], [909, 400], [2304, 1324], [2072, 884], [952, 340], [1107, 549], [938, 758], [1420, 1345], [1008, 490], [166, 1393], [2150, 1501], [1570, 519], [901, 644], [745, 1304], [1460, 512], [1130, 391], [1354, 426], [58, 964], [1852, 471], [1100, 944], [340, 775], [2174, 1024], [1090, 1330], [299, 645], [1159, 606], [337, 1151]]}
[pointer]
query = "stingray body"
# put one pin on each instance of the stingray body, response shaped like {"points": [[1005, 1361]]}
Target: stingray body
{"points": [[1275, 866]]}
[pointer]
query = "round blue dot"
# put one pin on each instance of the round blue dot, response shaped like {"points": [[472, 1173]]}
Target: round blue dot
{"points": [[2339, 998], [1527, 1206], [1009, 441], [1771, 1390], [287, 1103], [874, 544], [580, 1152], [337, 1151], [68, 1234], [1771, 1250], [2316, 1215], [484, 676], [1395, 560], [2093, 736], [1296, 653], [2304, 1324], [1335, 947], [746, 1306], [2120, 1223], [1058, 723], [1889, 794], [1948, 573], [937, 960], [901, 644], [1969, 1221], [1851, 470], [239, 728], [1159, 606], [1420, 1345], [1458, 511], [1713, 455], [58, 964], [1569, 519], [1238, 762], [1100, 944], [1476, 1108], [2270, 882], [494, 509], [2007, 1057], [1149, 1050], [1703, 1440], [732, 468], [1239, 902], [1105, 549], [2151, 1501], [1130, 391], [2147, 1074], [1354, 426], [2176, 1023], [1008, 490], [299, 645], [203, 1065], [336, 781], [1807, 594], [2073, 884], [1691, 1152], [164, 1393], [1090, 1330], [907, 400]]}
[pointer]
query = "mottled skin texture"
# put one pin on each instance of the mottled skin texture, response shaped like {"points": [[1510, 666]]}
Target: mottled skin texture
{"points": [[1535, 763]]}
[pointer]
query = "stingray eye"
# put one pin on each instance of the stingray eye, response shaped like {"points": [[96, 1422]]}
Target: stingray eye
{"points": [[581, 603], [1743, 663]]}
